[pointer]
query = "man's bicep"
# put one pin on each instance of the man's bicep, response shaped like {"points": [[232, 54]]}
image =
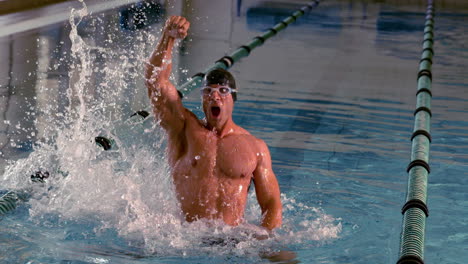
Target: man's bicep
{"points": [[267, 191], [167, 105], [266, 184]]}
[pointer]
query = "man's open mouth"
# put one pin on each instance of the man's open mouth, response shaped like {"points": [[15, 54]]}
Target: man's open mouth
{"points": [[215, 111]]}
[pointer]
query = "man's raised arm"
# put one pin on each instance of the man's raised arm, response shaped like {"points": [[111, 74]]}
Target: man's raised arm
{"points": [[165, 100], [267, 190]]}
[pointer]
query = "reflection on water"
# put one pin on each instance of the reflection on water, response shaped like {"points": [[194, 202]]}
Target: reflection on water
{"points": [[335, 104]]}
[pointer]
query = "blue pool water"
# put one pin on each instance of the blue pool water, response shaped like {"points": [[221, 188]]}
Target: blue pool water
{"points": [[333, 96]]}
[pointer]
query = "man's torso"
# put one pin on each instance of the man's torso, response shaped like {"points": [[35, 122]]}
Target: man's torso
{"points": [[212, 174]]}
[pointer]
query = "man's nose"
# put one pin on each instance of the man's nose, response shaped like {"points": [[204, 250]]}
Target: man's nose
{"points": [[215, 95]]}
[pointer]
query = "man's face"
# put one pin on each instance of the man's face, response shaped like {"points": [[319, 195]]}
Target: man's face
{"points": [[217, 106]]}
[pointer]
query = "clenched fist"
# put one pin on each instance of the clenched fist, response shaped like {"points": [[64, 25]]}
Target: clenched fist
{"points": [[176, 27]]}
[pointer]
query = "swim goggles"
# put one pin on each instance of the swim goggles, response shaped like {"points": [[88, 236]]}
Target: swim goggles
{"points": [[222, 90]]}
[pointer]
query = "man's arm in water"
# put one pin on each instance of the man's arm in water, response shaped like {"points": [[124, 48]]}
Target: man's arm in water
{"points": [[267, 190], [167, 105]]}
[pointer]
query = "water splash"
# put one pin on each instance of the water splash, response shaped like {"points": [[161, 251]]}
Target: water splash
{"points": [[129, 188]]}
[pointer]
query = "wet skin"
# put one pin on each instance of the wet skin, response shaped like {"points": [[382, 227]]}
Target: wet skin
{"points": [[213, 175], [214, 160]]}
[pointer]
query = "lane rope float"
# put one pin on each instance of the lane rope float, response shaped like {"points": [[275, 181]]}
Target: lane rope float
{"points": [[225, 62], [415, 210]]}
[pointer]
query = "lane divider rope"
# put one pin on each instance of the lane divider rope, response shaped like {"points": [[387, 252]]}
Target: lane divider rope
{"points": [[415, 210], [225, 62]]}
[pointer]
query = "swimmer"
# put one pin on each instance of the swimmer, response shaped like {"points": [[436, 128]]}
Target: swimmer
{"points": [[213, 160]]}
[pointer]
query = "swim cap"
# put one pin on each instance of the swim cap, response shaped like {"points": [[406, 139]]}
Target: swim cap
{"points": [[221, 77]]}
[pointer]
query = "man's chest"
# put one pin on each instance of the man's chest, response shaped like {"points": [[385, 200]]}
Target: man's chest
{"points": [[233, 156]]}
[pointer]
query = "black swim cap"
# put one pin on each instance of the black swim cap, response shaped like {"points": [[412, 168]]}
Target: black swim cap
{"points": [[221, 77]]}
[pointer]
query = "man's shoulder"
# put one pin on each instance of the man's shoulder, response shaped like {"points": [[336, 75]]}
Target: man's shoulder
{"points": [[241, 132], [192, 118]]}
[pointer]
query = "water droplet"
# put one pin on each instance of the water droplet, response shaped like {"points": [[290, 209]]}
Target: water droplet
{"points": [[197, 157]]}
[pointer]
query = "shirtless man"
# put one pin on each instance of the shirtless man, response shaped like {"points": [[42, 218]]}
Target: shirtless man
{"points": [[213, 160]]}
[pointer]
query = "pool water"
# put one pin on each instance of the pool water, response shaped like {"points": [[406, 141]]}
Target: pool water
{"points": [[333, 96]]}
